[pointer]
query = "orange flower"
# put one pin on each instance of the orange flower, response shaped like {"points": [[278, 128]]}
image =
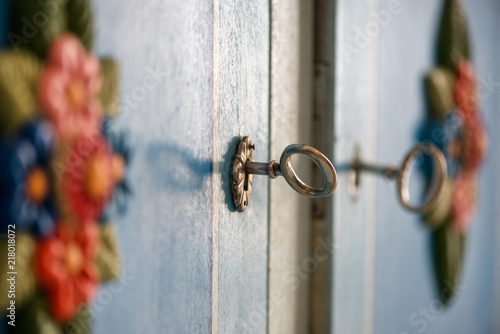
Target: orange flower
{"points": [[65, 268], [69, 88], [87, 183]]}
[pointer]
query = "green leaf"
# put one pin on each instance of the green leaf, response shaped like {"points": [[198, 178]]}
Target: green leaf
{"points": [[439, 87], [80, 21], [110, 88], [453, 35], [81, 324], [19, 76], [440, 213], [449, 248], [25, 281], [35, 24], [34, 318], [108, 260]]}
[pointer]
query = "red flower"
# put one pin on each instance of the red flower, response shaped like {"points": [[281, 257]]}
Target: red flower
{"points": [[465, 90], [475, 142], [463, 201], [475, 145], [68, 90], [88, 179], [65, 268]]}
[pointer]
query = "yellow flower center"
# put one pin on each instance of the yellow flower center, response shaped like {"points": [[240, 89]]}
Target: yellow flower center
{"points": [[73, 259], [37, 185], [97, 181], [76, 93]]}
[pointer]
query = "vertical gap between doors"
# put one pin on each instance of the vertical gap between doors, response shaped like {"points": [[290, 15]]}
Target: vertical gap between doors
{"points": [[323, 139], [270, 8]]}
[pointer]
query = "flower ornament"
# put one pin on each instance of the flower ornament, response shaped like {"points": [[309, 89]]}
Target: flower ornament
{"points": [[465, 89], [452, 91], [65, 268], [475, 143], [465, 93], [87, 180], [121, 159], [463, 201], [59, 169], [69, 88], [447, 135], [26, 196]]}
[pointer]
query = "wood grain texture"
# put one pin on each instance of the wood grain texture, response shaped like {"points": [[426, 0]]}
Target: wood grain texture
{"points": [[164, 49], [290, 212], [166, 53], [244, 111], [405, 278], [181, 135]]}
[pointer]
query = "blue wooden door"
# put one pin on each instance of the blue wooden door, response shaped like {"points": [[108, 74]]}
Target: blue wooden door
{"points": [[411, 307], [383, 270], [194, 78]]}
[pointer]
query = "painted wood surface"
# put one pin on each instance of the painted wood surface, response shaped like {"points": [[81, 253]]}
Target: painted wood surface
{"points": [[401, 294], [290, 212], [244, 111], [164, 49], [195, 77], [213, 60], [405, 290], [354, 115]]}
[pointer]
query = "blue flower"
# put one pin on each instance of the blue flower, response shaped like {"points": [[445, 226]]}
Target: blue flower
{"points": [[26, 196], [121, 150], [447, 135]]}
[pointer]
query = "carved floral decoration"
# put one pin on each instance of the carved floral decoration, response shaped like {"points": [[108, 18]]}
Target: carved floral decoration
{"points": [[63, 169], [66, 269], [69, 87], [456, 126]]}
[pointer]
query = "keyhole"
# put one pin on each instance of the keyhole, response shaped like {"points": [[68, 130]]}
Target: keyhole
{"points": [[353, 176]]}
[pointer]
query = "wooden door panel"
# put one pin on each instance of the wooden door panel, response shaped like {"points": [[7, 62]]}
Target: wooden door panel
{"points": [[196, 264], [194, 78], [354, 96], [405, 289], [243, 65], [165, 52], [383, 272]]}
